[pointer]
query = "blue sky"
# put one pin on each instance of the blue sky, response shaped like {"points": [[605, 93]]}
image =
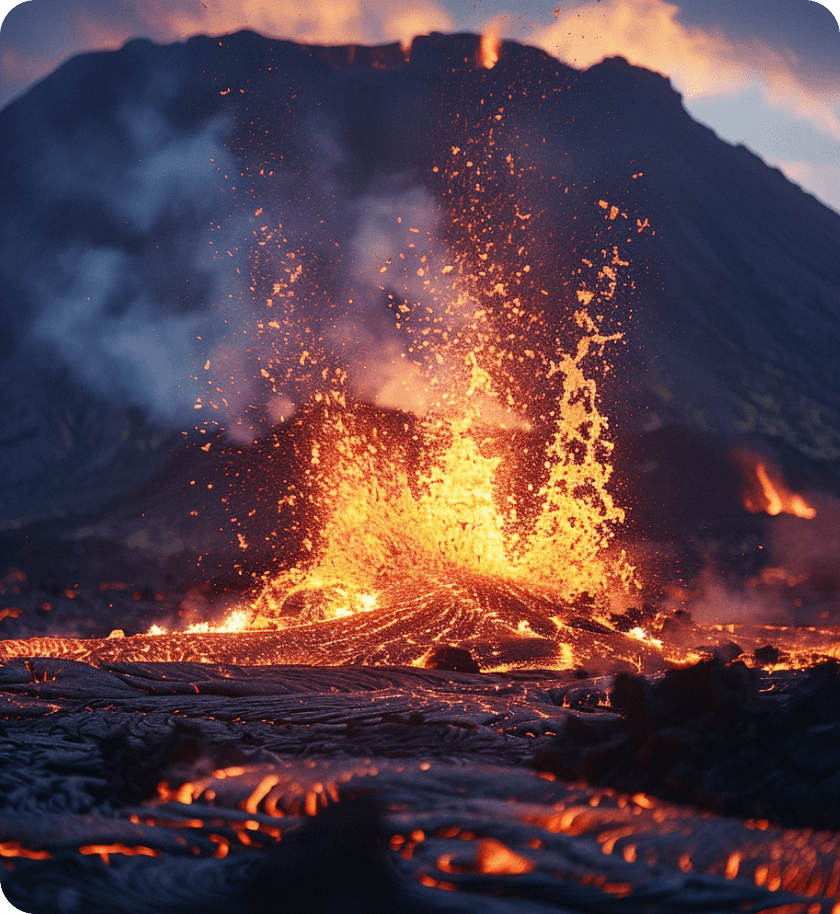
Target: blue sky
{"points": [[762, 72]]}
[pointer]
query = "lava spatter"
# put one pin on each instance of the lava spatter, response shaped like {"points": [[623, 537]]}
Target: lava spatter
{"points": [[465, 524], [438, 554]]}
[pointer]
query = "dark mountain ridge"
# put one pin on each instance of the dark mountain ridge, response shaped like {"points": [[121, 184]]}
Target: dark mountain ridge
{"points": [[131, 253]]}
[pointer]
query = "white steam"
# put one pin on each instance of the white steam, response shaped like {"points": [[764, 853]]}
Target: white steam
{"points": [[394, 251], [151, 291], [118, 308]]}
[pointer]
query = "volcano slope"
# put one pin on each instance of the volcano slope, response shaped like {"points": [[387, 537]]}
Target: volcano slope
{"points": [[131, 180]]}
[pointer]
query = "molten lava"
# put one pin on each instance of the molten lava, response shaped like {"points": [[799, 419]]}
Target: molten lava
{"points": [[769, 494], [438, 534], [490, 47], [486, 519], [442, 544]]}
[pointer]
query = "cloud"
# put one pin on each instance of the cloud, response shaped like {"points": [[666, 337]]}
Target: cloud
{"points": [[700, 62], [42, 33], [401, 20], [20, 67], [328, 22], [312, 21]]}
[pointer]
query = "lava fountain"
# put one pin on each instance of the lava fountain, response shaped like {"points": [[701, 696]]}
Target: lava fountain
{"points": [[465, 526], [460, 528], [440, 555], [487, 521], [484, 524]]}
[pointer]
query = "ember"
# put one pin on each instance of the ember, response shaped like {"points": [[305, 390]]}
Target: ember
{"points": [[427, 522]]}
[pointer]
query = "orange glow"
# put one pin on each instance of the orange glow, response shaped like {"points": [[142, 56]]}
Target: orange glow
{"points": [[732, 865], [315, 21], [427, 880], [14, 849], [490, 47], [266, 784], [491, 857], [223, 846], [768, 493], [781, 501], [498, 859], [234, 771], [238, 620], [105, 850]]}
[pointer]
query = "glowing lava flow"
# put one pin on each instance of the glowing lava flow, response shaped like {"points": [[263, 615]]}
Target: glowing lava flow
{"points": [[775, 498]]}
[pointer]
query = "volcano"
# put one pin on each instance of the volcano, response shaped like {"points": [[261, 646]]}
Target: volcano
{"points": [[131, 180], [375, 420]]}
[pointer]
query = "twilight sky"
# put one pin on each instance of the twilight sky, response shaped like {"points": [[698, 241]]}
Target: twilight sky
{"points": [[762, 72]]}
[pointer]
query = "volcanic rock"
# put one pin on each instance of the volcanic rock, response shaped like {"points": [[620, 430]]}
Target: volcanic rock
{"points": [[334, 862], [379, 789], [714, 735], [457, 659]]}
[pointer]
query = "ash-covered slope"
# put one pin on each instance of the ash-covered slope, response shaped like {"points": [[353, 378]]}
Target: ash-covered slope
{"points": [[154, 195]]}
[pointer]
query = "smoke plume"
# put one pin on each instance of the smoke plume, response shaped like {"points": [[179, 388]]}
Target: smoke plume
{"points": [[151, 276]]}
